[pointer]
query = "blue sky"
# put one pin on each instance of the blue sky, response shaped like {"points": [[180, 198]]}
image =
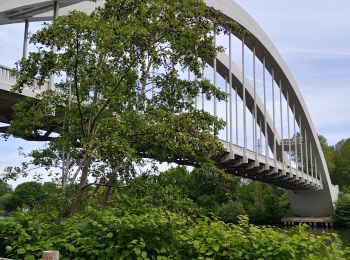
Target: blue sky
{"points": [[312, 36], [314, 39]]}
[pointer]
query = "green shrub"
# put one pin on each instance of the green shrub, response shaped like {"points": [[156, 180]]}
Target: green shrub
{"points": [[156, 233], [230, 211], [5, 202], [342, 211]]}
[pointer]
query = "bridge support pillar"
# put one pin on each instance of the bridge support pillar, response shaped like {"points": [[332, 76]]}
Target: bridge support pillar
{"points": [[312, 203], [25, 38]]}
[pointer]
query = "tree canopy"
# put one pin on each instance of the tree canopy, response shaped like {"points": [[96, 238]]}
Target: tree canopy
{"points": [[342, 163], [338, 161], [4, 188], [119, 97]]}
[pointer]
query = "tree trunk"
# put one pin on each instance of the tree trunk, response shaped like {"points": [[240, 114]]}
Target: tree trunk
{"points": [[108, 189], [83, 180], [65, 172], [260, 193], [105, 198]]}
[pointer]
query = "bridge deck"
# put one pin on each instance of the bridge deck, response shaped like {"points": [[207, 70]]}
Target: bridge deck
{"points": [[242, 163], [258, 167], [8, 98]]}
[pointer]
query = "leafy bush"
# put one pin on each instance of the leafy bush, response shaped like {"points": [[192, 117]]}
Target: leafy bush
{"points": [[156, 233], [210, 192], [5, 202], [32, 195], [342, 211], [4, 188], [230, 211]]}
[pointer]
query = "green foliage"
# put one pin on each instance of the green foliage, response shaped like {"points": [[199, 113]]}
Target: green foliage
{"points": [[338, 161], [158, 234], [164, 217], [210, 187], [210, 192], [5, 196], [5, 203], [101, 111], [27, 194], [342, 164], [32, 194], [4, 188], [264, 204], [203, 191], [169, 190], [342, 211], [230, 211], [328, 152]]}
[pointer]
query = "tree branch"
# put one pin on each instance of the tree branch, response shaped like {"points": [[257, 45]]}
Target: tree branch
{"points": [[76, 87]]}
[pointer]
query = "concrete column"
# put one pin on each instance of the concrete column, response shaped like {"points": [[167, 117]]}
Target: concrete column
{"points": [[244, 104], [260, 138], [25, 39], [301, 147], [215, 79], [230, 89], [307, 157], [56, 9], [226, 104], [274, 119], [281, 117], [295, 141], [54, 49], [265, 113], [236, 110], [312, 163], [255, 110], [289, 139]]}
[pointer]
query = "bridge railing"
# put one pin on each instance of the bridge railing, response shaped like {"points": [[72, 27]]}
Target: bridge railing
{"points": [[5, 76], [5, 73]]}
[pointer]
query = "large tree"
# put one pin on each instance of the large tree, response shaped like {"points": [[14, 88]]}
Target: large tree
{"points": [[119, 96], [328, 152], [30, 194], [342, 164], [4, 188]]}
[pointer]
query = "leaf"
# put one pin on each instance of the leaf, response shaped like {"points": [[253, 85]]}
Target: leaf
{"points": [[70, 247], [109, 235], [216, 247], [21, 251], [144, 254], [137, 251]]}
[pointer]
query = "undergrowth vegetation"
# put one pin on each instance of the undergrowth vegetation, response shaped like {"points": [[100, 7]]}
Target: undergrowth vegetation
{"points": [[176, 215], [129, 232]]}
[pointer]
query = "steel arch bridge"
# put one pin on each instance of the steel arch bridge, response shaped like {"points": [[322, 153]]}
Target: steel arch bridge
{"points": [[268, 125]]}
